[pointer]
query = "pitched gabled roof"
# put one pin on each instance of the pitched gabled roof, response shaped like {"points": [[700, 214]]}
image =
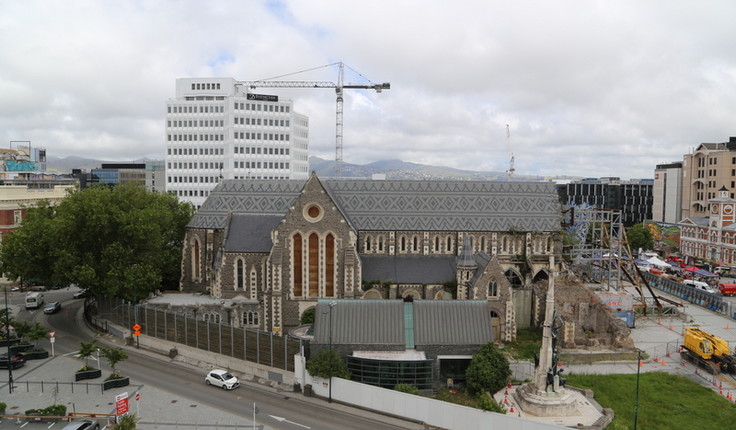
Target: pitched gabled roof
{"points": [[398, 205], [408, 269], [251, 233], [382, 322]]}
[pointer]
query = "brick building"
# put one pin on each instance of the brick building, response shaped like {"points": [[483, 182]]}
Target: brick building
{"points": [[271, 249]]}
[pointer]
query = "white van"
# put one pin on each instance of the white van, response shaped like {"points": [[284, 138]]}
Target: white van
{"points": [[34, 300], [700, 285]]}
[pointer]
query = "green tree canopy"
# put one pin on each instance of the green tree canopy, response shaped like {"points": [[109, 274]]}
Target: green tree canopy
{"points": [[639, 237], [489, 370], [113, 356], [319, 365], [117, 241]]}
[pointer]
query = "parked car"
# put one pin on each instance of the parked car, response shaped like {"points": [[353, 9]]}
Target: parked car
{"points": [[81, 293], [222, 378], [52, 307], [15, 361], [82, 425]]}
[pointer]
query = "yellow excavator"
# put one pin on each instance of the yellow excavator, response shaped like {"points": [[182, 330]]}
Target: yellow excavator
{"points": [[708, 351]]}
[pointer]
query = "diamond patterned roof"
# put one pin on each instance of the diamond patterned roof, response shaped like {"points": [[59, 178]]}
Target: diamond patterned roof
{"points": [[399, 205]]}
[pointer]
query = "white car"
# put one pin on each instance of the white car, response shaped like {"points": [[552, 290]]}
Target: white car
{"points": [[222, 378]]}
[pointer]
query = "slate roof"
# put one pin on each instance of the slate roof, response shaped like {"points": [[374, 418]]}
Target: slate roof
{"points": [[408, 269], [381, 322], [399, 204], [452, 322], [251, 233]]}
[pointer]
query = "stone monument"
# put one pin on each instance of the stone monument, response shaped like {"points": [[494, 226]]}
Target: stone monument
{"points": [[547, 396]]}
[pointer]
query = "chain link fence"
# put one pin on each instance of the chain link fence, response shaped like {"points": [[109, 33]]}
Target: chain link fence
{"points": [[252, 345]]}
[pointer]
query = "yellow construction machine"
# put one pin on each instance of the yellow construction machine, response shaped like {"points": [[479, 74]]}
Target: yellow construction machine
{"points": [[708, 351]]}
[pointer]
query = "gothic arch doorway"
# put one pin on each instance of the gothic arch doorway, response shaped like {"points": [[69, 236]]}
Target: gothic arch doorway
{"points": [[496, 326]]}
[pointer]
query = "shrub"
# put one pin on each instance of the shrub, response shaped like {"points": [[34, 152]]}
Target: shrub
{"points": [[319, 365], [487, 403], [407, 388], [488, 371], [3, 406], [127, 422], [52, 411]]}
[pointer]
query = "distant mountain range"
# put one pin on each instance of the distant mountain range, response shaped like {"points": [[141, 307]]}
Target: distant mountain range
{"points": [[392, 169]]}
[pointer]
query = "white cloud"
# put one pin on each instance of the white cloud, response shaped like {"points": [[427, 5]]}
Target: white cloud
{"points": [[588, 88]]}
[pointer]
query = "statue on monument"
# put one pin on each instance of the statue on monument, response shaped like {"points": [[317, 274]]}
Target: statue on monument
{"points": [[554, 373]]}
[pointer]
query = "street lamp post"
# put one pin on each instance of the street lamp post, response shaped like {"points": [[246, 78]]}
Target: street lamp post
{"points": [[329, 397], [636, 402], [7, 336]]}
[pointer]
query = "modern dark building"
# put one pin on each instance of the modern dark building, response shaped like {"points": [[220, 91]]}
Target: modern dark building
{"points": [[633, 198]]}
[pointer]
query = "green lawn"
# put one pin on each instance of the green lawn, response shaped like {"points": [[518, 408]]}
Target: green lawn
{"points": [[666, 402]]}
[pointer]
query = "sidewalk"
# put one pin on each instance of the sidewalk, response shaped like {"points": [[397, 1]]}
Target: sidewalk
{"points": [[159, 409]]}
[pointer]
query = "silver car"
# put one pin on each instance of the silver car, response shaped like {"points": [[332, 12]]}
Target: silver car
{"points": [[82, 425]]}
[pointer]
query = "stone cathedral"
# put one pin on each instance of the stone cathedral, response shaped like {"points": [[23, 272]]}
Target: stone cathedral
{"points": [[270, 249]]}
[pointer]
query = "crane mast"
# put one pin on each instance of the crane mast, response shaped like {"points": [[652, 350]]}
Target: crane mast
{"points": [[339, 86]]}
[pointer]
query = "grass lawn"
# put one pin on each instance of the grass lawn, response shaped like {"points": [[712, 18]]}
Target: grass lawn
{"points": [[665, 402]]}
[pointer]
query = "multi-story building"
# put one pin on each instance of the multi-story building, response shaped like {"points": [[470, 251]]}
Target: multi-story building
{"points": [[667, 193], [712, 237], [156, 176], [704, 172], [119, 173], [632, 198], [216, 129]]}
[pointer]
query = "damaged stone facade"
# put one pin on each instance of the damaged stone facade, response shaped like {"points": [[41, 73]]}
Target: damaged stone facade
{"points": [[587, 322]]}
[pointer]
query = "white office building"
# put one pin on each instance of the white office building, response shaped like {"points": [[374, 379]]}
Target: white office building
{"points": [[216, 129]]}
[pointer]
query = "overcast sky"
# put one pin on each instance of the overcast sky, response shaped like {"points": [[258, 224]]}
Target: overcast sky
{"points": [[588, 88]]}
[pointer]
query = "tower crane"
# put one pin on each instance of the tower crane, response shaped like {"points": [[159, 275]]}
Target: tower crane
{"points": [[339, 86]]}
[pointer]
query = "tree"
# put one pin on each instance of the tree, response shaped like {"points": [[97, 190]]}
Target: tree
{"points": [[319, 365], [113, 356], [36, 333], [118, 241], [640, 237], [86, 349], [307, 317], [489, 370]]}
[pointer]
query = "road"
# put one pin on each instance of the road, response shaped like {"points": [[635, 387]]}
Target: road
{"points": [[277, 410]]}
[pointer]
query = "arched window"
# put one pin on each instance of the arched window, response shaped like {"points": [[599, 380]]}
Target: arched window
{"points": [[380, 243], [239, 274], [250, 318], [414, 244], [212, 317], [448, 245], [367, 243], [493, 289], [436, 244], [330, 265], [505, 245], [297, 264], [313, 265], [195, 260], [403, 244], [482, 244]]}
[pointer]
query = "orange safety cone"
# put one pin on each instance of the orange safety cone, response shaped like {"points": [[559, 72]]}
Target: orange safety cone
{"points": [[728, 326], [656, 358], [509, 386], [505, 401], [512, 409], [668, 353], [519, 414], [663, 363], [641, 363]]}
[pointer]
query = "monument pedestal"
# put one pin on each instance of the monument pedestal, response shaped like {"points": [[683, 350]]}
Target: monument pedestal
{"points": [[545, 403]]}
